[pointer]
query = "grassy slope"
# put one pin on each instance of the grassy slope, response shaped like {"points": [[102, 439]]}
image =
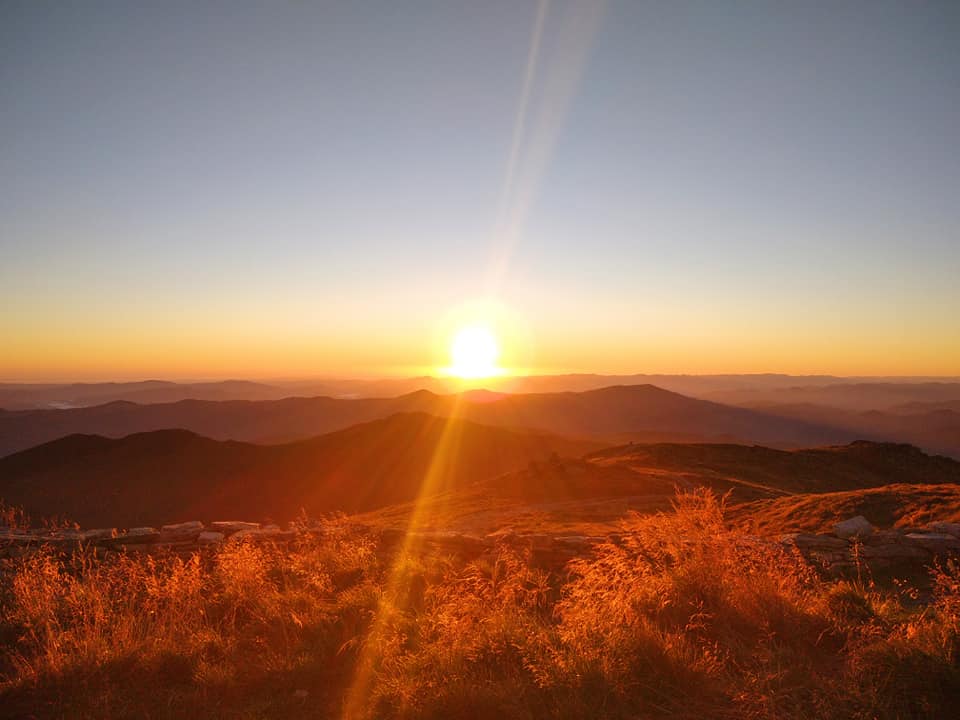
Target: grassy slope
{"points": [[591, 495], [896, 505], [678, 620]]}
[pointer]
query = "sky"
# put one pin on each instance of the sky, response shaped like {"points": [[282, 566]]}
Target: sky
{"points": [[274, 189]]}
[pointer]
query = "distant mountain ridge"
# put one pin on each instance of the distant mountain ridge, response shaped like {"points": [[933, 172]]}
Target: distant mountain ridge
{"points": [[736, 389], [600, 414]]}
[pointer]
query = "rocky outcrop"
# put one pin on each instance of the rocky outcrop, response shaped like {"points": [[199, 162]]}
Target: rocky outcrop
{"points": [[179, 537], [857, 526], [854, 545], [232, 526], [181, 532]]}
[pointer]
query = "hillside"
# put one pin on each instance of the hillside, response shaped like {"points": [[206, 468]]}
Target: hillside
{"points": [[644, 411], [251, 421], [152, 477], [897, 505], [591, 495]]}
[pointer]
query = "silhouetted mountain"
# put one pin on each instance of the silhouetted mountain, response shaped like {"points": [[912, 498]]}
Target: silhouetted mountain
{"points": [[850, 392], [166, 475], [640, 410], [856, 397], [933, 426]]}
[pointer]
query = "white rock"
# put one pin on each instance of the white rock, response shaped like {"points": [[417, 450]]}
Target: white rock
{"points": [[854, 527], [137, 535], [183, 527], [210, 538], [232, 526], [181, 532], [99, 534], [138, 531]]}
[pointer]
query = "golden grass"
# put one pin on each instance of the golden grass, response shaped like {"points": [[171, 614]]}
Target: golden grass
{"points": [[681, 617]]}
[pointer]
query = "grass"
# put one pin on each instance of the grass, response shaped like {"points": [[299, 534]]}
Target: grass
{"points": [[681, 617], [895, 505]]}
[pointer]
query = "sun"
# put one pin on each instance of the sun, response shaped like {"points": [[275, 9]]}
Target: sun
{"points": [[474, 352]]}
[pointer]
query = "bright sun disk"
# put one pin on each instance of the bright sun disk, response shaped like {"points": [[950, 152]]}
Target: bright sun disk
{"points": [[474, 352]]}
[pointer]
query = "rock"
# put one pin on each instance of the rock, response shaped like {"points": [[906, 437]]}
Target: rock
{"points": [[937, 543], [98, 534], [894, 551], [183, 527], [264, 533], [210, 538], [137, 536], [857, 526], [228, 527], [882, 537], [808, 541], [948, 528], [181, 532]]}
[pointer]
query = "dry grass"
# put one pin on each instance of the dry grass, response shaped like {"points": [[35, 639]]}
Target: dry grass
{"points": [[680, 618], [897, 505]]}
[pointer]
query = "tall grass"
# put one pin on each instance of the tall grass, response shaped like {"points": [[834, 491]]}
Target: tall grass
{"points": [[677, 617]]}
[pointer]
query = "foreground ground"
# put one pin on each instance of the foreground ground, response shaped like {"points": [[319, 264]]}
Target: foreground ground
{"points": [[679, 618]]}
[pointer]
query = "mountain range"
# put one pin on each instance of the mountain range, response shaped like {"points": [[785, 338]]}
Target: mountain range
{"points": [[848, 392], [614, 414], [166, 475]]}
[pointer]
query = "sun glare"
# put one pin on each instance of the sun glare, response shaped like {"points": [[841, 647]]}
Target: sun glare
{"points": [[474, 352]]}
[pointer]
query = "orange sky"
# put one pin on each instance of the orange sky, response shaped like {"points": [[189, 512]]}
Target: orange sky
{"points": [[253, 347], [306, 190]]}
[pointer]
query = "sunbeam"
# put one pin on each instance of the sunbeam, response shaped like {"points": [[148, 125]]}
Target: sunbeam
{"points": [[560, 43], [393, 595]]}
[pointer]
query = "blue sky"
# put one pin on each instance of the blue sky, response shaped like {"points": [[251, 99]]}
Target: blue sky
{"points": [[307, 188]]}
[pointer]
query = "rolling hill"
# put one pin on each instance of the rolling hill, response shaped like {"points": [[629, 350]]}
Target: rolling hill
{"points": [[166, 475], [590, 495], [641, 411]]}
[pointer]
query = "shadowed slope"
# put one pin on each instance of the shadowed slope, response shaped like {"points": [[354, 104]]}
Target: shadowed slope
{"points": [[167, 475]]}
